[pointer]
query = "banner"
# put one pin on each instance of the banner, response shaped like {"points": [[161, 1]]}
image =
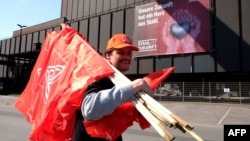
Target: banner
{"points": [[172, 27]]}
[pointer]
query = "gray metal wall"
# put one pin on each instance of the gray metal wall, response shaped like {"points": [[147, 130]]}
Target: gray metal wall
{"points": [[232, 35]]}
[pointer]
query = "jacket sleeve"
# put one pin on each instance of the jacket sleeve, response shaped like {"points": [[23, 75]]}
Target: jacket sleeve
{"points": [[99, 102]]}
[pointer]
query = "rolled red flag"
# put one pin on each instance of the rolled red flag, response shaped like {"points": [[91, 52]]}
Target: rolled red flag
{"points": [[155, 78]]}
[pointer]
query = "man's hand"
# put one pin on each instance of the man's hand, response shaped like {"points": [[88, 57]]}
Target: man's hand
{"points": [[141, 85]]}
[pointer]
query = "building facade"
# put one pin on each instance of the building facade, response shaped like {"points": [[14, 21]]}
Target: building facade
{"points": [[224, 66]]}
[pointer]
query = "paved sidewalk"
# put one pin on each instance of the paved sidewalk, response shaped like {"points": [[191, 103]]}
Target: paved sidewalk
{"points": [[217, 114], [194, 112], [7, 99], [207, 118]]}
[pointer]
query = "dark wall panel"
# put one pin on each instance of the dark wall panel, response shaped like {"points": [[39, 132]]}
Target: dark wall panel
{"points": [[74, 25], [42, 35], [35, 37], [245, 42], [64, 8], [3, 51], [1, 71], [1, 66], [227, 36], [29, 42], [106, 5], [104, 31], [23, 43], [3, 47], [13, 45], [122, 3], [69, 9], [182, 64], [74, 9], [17, 45], [130, 2], [83, 27], [162, 63], [129, 22], [114, 4], [118, 22], [139, 1], [146, 66], [129, 30], [133, 67], [7, 51], [86, 8], [92, 9], [99, 6], [80, 8], [204, 63], [94, 32]]}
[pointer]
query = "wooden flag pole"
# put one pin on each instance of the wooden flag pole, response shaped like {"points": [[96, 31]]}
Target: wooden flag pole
{"points": [[156, 123], [181, 121], [155, 113], [165, 118], [182, 124]]}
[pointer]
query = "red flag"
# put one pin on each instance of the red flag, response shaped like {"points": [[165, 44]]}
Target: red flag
{"points": [[66, 65], [155, 78], [111, 126]]}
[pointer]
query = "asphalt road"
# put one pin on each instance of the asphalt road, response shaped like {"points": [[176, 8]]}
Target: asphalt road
{"points": [[208, 120]]}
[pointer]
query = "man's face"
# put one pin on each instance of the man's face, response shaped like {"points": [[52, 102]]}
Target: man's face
{"points": [[120, 58]]}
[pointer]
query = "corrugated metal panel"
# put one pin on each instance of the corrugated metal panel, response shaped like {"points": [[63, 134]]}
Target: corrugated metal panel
{"points": [[227, 36], [203, 63], [83, 27], [70, 9], [104, 31], [146, 65], [182, 64], [118, 22], [94, 32], [162, 63], [245, 41]]}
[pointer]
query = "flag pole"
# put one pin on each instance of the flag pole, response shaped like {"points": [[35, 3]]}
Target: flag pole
{"points": [[154, 112]]}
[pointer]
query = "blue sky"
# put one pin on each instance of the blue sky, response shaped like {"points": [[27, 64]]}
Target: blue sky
{"points": [[26, 12]]}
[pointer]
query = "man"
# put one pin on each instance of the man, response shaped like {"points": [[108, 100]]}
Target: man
{"points": [[107, 110]]}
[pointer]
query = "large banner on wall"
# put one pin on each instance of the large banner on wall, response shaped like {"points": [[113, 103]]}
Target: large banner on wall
{"points": [[172, 27]]}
